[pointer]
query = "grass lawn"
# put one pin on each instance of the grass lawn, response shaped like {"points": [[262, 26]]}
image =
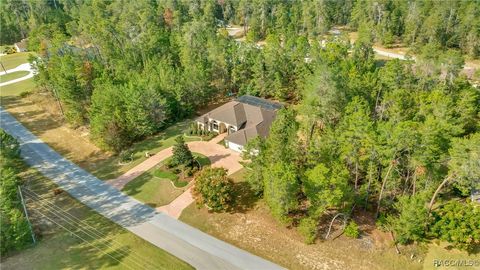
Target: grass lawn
{"points": [[13, 75], [442, 251], [251, 227], [39, 113], [202, 159], [110, 168], [239, 175], [153, 190], [15, 89], [13, 60], [58, 249]]}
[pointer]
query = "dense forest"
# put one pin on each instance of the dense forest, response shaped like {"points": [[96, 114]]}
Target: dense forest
{"points": [[127, 68], [391, 137]]}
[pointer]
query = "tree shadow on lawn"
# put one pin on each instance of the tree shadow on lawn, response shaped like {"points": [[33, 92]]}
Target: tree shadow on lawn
{"points": [[245, 198], [134, 186], [102, 255]]}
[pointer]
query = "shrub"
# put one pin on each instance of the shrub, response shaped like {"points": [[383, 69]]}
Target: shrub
{"points": [[25, 94], [458, 224], [308, 229], [409, 224], [351, 230], [214, 189], [126, 156]]}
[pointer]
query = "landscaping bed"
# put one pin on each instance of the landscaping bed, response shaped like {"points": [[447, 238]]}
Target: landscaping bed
{"points": [[195, 131], [161, 184]]}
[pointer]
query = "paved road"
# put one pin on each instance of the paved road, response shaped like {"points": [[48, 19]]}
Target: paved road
{"points": [[22, 67], [200, 250]]}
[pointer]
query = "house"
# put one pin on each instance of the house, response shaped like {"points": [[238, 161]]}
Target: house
{"points": [[243, 119], [475, 195], [21, 46]]}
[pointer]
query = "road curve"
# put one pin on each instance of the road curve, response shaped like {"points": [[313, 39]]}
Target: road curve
{"points": [[22, 67], [200, 250]]}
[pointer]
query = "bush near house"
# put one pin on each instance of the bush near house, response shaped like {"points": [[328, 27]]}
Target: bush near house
{"points": [[214, 189], [206, 135]]}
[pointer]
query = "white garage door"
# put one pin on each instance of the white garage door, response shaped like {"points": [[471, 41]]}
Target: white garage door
{"points": [[234, 146]]}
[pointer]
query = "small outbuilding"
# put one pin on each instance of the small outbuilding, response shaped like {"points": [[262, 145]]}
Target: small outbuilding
{"points": [[21, 46]]}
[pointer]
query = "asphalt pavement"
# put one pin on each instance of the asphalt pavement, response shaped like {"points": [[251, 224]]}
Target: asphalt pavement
{"points": [[200, 250]]}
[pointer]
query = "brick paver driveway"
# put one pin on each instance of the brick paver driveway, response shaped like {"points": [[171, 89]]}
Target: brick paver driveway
{"points": [[200, 250], [219, 157]]}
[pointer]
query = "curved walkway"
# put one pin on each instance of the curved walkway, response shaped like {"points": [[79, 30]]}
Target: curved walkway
{"points": [[22, 67], [219, 157], [200, 250]]}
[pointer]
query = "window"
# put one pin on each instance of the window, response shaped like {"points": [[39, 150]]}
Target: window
{"points": [[215, 126]]}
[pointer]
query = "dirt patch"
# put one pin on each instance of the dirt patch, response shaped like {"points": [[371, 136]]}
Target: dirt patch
{"points": [[256, 231], [41, 115]]}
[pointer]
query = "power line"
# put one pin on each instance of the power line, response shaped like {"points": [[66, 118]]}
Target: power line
{"points": [[69, 218], [86, 232], [83, 239]]}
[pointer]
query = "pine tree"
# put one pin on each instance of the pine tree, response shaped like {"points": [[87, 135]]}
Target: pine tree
{"points": [[181, 153]]}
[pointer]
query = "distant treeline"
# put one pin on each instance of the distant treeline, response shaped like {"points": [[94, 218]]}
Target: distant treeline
{"points": [[450, 24]]}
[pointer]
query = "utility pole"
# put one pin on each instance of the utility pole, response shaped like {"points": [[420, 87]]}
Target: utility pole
{"points": [[26, 214], [3, 68]]}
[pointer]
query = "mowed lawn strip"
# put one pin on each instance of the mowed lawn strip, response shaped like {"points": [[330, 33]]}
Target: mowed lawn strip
{"points": [[16, 89], [153, 190], [13, 60], [13, 75], [108, 245], [157, 187], [110, 168]]}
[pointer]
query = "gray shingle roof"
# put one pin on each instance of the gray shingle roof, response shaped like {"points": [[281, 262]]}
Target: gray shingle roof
{"points": [[251, 115]]}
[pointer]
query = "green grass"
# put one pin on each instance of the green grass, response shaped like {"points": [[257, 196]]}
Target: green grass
{"points": [[10, 61], [13, 75], [153, 190], [110, 168], [222, 143], [58, 249], [15, 89], [165, 175], [238, 176], [444, 252], [202, 159]]}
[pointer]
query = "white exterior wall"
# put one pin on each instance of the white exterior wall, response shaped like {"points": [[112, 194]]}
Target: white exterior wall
{"points": [[234, 146]]}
